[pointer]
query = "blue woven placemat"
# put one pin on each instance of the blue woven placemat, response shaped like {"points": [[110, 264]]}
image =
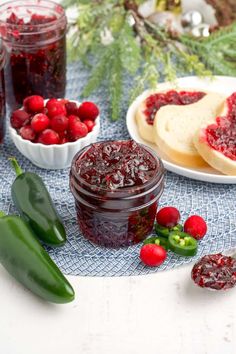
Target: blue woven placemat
{"points": [[215, 202]]}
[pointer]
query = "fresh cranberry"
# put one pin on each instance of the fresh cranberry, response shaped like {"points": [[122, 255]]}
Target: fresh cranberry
{"points": [[49, 137], [40, 122], [33, 104], [88, 110], [50, 103], [71, 108], [55, 108], [215, 271], [195, 226], [19, 118], [152, 255], [168, 217], [59, 123], [27, 133], [73, 119], [64, 140], [77, 130], [90, 124]]}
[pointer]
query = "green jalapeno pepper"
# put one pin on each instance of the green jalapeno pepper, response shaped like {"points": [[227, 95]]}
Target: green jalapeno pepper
{"points": [[182, 243], [158, 240], [165, 231], [35, 206], [26, 260]]}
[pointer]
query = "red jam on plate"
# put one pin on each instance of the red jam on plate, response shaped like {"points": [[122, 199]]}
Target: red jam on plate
{"points": [[172, 97], [2, 97], [222, 135], [116, 186], [216, 271], [33, 32]]}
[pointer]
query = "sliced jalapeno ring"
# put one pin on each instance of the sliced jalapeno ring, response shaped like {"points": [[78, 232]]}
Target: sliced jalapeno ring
{"points": [[157, 240], [165, 231], [182, 243]]}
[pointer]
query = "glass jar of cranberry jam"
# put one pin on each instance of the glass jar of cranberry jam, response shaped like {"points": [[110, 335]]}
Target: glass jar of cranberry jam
{"points": [[2, 95], [33, 34], [116, 186]]}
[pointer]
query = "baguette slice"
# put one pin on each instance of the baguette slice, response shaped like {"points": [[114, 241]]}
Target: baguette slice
{"points": [[175, 127], [146, 130], [215, 158]]}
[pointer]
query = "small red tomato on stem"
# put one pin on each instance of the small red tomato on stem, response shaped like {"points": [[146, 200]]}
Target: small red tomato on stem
{"points": [[152, 255], [168, 216], [40, 122], [88, 110], [195, 226], [33, 104]]}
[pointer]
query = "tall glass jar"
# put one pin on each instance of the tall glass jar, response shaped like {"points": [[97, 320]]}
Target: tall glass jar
{"points": [[115, 217], [2, 95], [34, 37]]}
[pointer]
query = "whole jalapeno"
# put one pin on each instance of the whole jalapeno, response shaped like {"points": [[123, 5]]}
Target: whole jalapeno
{"points": [[36, 207], [26, 260]]}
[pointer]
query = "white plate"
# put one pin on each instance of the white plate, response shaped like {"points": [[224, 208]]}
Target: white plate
{"points": [[222, 84]]}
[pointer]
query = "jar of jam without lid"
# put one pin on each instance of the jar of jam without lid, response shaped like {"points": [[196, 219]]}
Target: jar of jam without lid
{"points": [[2, 95], [34, 36], [116, 186]]}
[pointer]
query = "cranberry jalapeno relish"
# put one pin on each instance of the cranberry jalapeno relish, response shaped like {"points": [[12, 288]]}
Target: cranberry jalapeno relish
{"points": [[172, 97], [116, 186], [33, 33], [53, 123]]}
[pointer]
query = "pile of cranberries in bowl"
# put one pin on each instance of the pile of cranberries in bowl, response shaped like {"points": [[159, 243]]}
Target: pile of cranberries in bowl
{"points": [[54, 121]]}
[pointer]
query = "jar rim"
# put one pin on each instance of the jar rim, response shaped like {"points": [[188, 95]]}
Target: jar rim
{"points": [[43, 27], [125, 190]]}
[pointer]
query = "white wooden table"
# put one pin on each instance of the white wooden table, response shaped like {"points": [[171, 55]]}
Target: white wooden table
{"points": [[156, 314]]}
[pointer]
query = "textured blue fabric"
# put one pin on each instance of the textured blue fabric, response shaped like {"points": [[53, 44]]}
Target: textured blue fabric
{"points": [[215, 202]]}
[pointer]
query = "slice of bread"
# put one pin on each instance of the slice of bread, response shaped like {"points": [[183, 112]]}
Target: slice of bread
{"points": [[215, 158], [146, 130], [175, 127]]}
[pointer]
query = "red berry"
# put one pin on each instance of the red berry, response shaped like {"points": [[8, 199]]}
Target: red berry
{"points": [[27, 133], [49, 137], [40, 122], [88, 110], [19, 118], [77, 130], [152, 255], [195, 226], [55, 108], [90, 124], [73, 119], [168, 217], [71, 108], [64, 140], [59, 123], [33, 104]]}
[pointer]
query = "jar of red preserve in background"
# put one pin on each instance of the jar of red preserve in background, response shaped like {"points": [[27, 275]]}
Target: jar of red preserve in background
{"points": [[2, 95], [116, 186], [34, 36]]}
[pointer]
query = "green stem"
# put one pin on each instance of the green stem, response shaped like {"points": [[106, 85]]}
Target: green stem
{"points": [[16, 166], [2, 214]]}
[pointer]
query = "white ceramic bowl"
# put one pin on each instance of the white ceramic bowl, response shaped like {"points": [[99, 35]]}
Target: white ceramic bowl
{"points": [[53, 156]]}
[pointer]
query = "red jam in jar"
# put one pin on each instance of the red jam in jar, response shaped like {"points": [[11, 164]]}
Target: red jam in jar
{"points": [[158, 100], [116, 186], [33, 34], [2, 96]]}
